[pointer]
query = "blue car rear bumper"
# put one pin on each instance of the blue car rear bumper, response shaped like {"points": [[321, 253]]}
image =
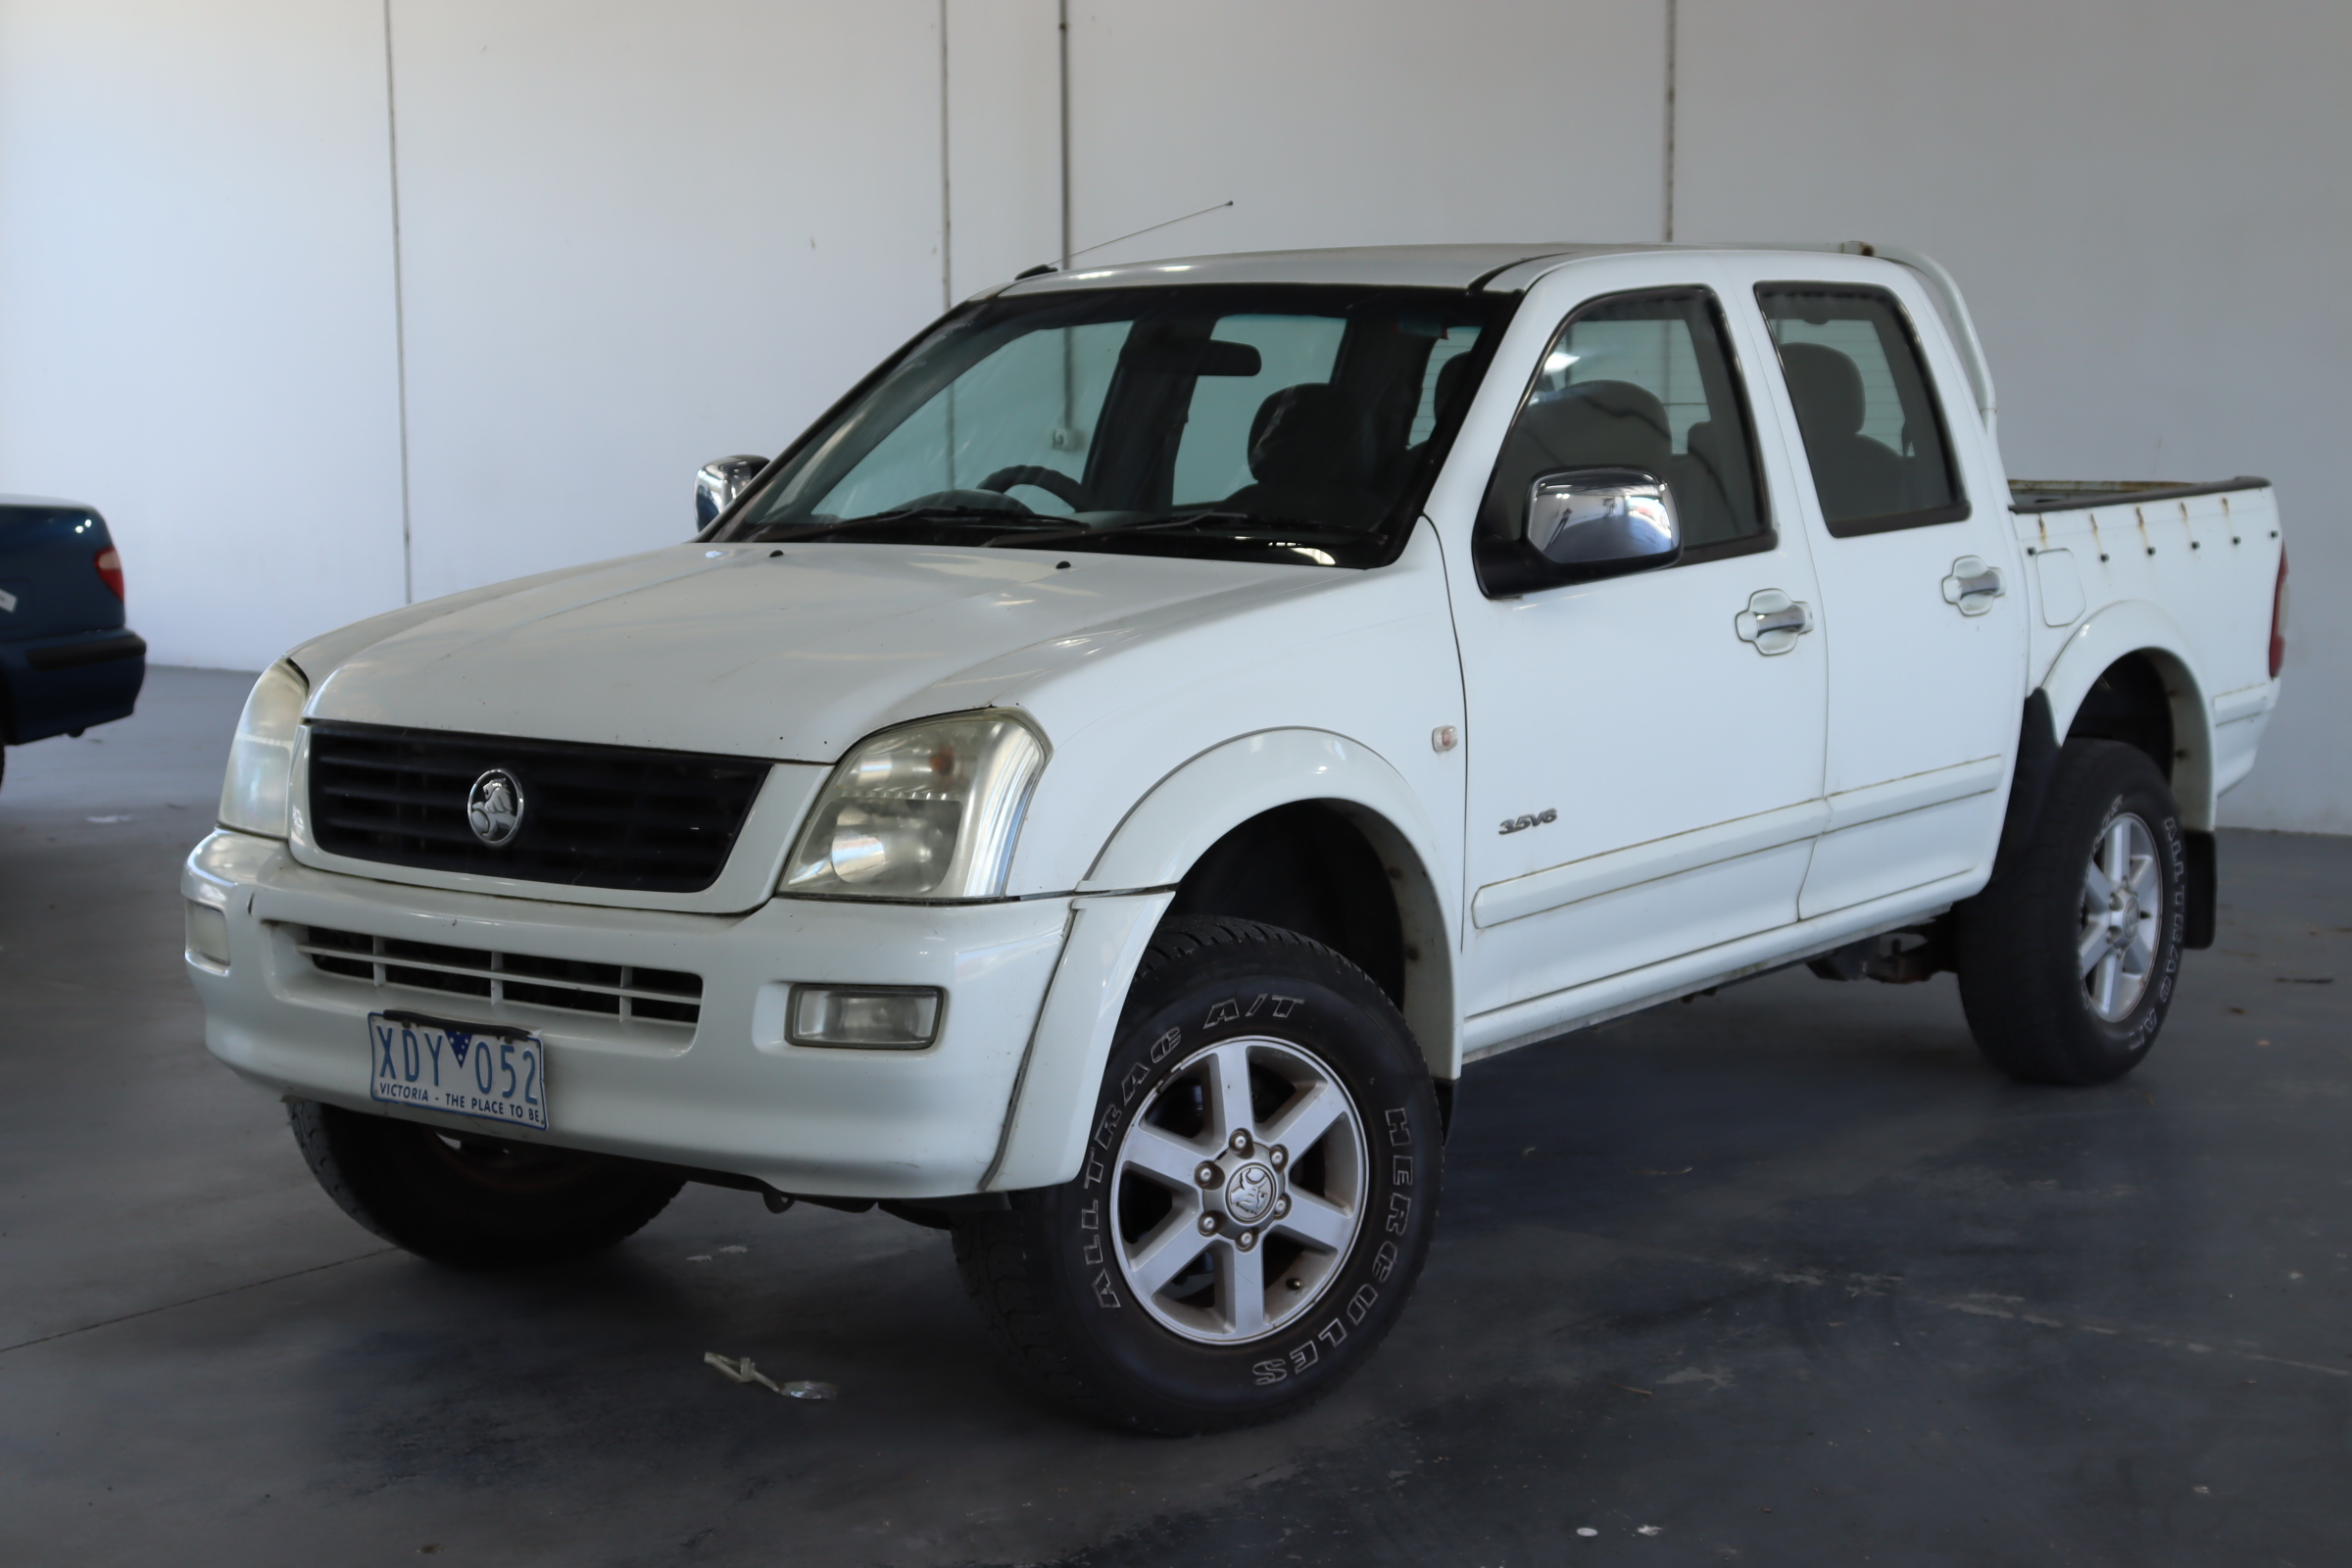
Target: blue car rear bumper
{"points": [[70, 682]]}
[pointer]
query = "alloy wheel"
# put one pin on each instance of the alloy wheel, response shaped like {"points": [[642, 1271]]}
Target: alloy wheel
{"points": [[1239, 1188], [2122, 900]]}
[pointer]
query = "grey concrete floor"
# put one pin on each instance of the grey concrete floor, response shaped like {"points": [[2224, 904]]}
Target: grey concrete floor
{"points": [[1782, 1276]]}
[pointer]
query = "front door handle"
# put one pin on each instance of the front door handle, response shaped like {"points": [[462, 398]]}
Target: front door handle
{"points": [[1972, 585], [1773, 621]]}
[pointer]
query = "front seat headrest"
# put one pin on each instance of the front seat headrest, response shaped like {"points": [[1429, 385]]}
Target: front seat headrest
{"points": [[1303, 435]]}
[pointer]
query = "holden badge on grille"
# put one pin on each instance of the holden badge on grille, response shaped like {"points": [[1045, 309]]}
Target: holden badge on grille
{"points": [[494, 807]]}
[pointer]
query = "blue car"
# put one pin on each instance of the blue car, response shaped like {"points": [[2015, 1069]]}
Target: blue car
{"points": [[66, 661]]}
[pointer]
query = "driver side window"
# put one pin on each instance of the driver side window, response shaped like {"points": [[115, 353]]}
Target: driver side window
{"points": [[1641, 381]]}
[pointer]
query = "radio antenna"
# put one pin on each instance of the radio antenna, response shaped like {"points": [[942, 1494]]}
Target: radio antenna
{"points": [[1148, 229]]}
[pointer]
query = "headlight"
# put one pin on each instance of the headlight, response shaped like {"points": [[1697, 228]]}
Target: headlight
{"points": [[261, 760], [927, 811]]}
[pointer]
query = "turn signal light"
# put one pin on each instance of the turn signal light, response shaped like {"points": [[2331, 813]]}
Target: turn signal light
{"points": [[870, 1017], [109, 562]]}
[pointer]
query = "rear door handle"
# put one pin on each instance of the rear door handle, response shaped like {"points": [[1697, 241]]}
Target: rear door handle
{"points": [[1773, 621], [1972, 585]]}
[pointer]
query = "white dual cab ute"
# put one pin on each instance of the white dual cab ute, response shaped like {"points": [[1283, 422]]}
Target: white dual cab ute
{"points": [[1098, 787]]}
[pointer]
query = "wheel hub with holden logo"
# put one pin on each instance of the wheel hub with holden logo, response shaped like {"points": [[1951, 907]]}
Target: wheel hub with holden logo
{"points": [[1239, 1188]]}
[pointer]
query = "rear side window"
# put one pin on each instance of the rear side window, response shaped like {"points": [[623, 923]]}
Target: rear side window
{"points": [[1874, 431], [1641, 381]]}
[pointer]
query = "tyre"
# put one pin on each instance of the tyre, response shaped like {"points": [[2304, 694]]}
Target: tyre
{"points": [[474, 1201], [1257, 1196], [2068, 960]]}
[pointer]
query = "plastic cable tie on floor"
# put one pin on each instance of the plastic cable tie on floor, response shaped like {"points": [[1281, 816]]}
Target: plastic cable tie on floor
{"points": [[742, 1371]]}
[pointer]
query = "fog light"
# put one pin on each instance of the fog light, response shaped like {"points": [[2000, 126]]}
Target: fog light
{"points": [[872, 1017], [208, 934]]}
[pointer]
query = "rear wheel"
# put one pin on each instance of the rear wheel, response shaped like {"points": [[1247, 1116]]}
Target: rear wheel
{"points": [[2068, 960], [1256, 1202], [475, 1202]]}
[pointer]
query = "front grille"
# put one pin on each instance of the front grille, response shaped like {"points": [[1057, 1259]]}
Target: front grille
{"points": [[597, 817], [618, 990]]}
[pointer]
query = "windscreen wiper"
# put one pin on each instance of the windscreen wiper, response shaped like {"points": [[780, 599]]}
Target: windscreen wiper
{"points": [[1188, 519], [989, 516]]}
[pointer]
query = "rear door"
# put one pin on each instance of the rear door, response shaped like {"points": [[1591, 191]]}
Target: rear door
{"points": [[1645, 770], [1924, 617]]}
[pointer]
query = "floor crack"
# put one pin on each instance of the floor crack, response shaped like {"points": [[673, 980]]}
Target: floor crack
{"points": [[209, 1296]]}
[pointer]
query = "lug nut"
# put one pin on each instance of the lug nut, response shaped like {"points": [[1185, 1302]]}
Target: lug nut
{"points": [[1207, 1175], [1246, 1241], [1278, 1156], [1282, 1205], [1239, 1143], [1208, 1224]]}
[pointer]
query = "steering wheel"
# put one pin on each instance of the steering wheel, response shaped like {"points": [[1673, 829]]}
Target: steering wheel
{"points": [[1053, 481]]}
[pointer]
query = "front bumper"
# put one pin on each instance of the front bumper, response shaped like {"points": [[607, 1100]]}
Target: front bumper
{"points": [[727, 1093]]}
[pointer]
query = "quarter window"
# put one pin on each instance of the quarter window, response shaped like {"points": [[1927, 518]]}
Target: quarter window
{"points": [[1866, 406], [1641, 381]]}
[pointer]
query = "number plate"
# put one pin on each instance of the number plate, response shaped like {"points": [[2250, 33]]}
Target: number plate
{"points": [[496, 1076]]}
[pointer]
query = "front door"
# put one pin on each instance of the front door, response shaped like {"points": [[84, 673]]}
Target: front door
{"points": [[1645, 753], [1909, 520]]}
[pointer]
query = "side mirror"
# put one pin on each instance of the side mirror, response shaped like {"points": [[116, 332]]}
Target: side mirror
{"points": [[720, 481], [1580, 525], [1598, 522]]}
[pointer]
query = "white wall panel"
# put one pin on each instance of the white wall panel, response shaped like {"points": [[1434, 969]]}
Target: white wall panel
{"points": [[1005, 148], [638, 237], [2146, 203], [1333, 123], [196, 306]]}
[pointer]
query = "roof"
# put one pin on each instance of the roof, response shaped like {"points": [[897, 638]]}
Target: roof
{"points": [[1508, 266], [1399, 266]]}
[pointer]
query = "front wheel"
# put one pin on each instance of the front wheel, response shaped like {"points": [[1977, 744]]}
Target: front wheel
{"points": [[474, 1200], [2068, 960], [1256, 1200]]}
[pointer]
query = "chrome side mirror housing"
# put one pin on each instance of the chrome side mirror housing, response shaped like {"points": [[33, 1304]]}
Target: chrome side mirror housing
{"points": [[720, 481], [1602, 522], [1582, 524]]}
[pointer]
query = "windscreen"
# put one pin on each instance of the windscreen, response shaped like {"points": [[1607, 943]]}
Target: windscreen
{"points": [[1294, 423]]}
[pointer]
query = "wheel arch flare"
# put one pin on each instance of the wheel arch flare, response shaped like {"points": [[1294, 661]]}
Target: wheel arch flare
{"points": [[1176, 849], [2141, 636]]}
